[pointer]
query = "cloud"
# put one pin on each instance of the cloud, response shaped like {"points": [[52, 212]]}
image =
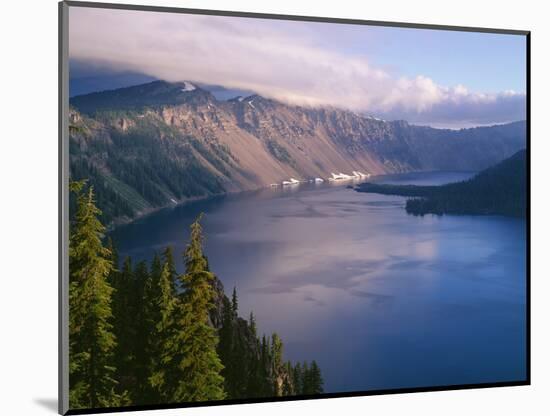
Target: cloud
{"points": [[284, 60], [458, 107]]}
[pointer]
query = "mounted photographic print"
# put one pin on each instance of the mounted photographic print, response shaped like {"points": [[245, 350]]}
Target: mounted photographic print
{"points": [[264, 208]]}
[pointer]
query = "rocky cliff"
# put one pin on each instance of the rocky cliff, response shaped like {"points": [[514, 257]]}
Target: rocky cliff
{"points": [[151, 145]]}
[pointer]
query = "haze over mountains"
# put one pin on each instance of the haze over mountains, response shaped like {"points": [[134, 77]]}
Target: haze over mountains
{"points": [[150, 145]]}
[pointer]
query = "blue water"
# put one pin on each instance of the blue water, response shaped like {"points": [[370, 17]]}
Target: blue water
{"points": [[379, 298]]}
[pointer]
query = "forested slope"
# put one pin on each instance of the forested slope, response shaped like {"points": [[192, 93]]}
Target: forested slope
{"points": [[498, 190]]}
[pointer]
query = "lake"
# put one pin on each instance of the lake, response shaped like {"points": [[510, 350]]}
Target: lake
{"points": [[381, 299]]}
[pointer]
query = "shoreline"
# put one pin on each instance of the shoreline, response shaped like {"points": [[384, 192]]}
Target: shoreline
{"points": [[120, 223]]}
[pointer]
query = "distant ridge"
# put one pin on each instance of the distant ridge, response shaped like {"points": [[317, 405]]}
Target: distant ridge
{"points": [[151, 94]]}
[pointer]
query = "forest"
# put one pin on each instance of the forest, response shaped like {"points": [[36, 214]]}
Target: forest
{"points": [[144, 334], [498, 190]]}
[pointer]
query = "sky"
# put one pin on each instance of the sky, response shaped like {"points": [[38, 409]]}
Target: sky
{"points": [[432, 77]]}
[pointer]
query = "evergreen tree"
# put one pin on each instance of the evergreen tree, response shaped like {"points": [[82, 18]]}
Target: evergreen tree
{"points": [[196, 341], [114, 260], [252, 325], [264, 352], [298, 378], [310, 380], [91, 339], [305, 382], [234, 302], [276, 352], [142, 391], [287, 389], [168, 258], [123, 325], [164, 332], [315, 379], [253, 387], [265, 374], [154, 289], [226, 346], [152, 314]]}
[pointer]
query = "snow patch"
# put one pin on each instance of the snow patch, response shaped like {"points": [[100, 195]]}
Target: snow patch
{"points": [[345, 177], [375, 118], [187, 86], [292, 181]]}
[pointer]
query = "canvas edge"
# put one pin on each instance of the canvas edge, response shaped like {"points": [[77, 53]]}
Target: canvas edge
{"points": [[528, 363], [63, 209], [282, 399], [301, 18]]}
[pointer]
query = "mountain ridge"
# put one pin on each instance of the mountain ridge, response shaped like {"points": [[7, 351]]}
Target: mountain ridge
{"points": [[81, 100], [183, 143]]}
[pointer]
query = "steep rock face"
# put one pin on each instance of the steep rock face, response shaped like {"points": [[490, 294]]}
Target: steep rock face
{"points": [[159, 143]]}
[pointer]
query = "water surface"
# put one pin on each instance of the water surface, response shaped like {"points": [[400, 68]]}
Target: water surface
{"points": [[381, 299]]}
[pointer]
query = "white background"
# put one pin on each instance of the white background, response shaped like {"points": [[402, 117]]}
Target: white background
{"points": [[28, 189]]}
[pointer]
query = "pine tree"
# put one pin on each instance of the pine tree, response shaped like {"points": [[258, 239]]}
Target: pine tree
{"points": [[252, 325], [124, 324], [264, 352], [114, 259], [162, 371], [153, 317], [168, 259], [166, 373], [298, 378], [91, 340], [142, 392], [265, 374], [276, 354], [315, 379], [154, 288], [254, 381], [287, 389], [234, 351], [311, 381], [234, 302], [226, 348], [199, 366], [305, 380]]}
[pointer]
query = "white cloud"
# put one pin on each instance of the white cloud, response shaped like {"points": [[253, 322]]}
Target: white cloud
{"points": [[282, 60]]}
